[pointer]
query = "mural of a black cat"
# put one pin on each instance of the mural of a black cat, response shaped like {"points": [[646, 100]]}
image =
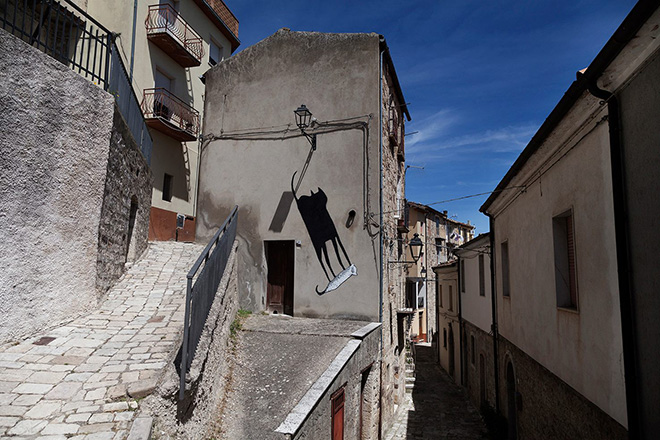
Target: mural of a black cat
{"points": [[321, 229]]}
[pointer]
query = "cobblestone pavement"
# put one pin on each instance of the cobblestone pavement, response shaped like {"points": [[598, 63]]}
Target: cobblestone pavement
{"points": [[81, 380], [438, 408]]}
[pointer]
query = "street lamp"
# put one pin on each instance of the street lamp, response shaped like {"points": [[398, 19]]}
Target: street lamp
{"points": [[416, 246], [303, 120]]}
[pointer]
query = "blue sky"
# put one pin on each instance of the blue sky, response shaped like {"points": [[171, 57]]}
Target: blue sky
{"points": [[480, 76]]}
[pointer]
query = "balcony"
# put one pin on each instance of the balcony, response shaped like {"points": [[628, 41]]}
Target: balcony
{"points": [[168, 114], [167, 30], [218, 12]]}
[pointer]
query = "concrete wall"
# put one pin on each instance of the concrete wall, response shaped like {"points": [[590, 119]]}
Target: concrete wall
{"points": [[55, 130], [640, 103], [581, 346], [122, 236], [257, 174], [195, 417]]}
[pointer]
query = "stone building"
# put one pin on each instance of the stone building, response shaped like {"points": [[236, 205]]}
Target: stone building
{"points": [[317, 228], [576, 313], [76, 191], [167, 46], [476, 316], [440, 235]]}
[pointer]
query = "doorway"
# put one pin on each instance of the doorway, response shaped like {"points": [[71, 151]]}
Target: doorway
{"points": [[451, 352], [280, 262], [482, 380], [511, 402]]}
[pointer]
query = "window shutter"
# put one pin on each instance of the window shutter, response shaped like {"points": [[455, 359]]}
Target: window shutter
{"points": [[571, 260]]}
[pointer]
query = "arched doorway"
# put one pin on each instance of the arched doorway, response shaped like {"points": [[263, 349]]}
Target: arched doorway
{"points": [[511, 402], [482, 380], [130, 245], [450, 348]]}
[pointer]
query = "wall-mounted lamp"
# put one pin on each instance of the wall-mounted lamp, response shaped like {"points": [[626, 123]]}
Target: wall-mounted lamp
{"points": [[416, 246], [303, 120]]}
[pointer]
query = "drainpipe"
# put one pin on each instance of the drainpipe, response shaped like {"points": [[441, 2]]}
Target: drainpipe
{"points": [[624, 266], [135, 10], [493, 300]]}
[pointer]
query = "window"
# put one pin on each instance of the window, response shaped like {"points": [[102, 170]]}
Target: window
{"points": [[451, 298], [215, 53], [565, 273], [482, 281], [440, 295], [504, 251], [472, 353], [437, 226], [440, 250], [462, 270], [167, 187], [444, 337]]}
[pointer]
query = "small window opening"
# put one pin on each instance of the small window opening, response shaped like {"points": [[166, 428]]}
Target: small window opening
{"points": [[168, 180]]}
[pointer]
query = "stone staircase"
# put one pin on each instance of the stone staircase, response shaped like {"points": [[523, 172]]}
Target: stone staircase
{"points": [[410, 367]]}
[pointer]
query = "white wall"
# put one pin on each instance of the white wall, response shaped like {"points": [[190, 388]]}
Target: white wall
{"points": [[475, 308]]}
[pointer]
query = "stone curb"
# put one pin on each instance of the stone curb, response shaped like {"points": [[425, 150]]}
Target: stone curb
{"points": [[141, 429]]}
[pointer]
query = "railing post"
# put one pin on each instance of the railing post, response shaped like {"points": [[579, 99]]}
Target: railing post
{"points": [[186, 336]]}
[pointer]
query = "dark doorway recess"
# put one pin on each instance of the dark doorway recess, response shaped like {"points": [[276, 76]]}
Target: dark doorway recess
{"points": [[511, 402], [280, 262]]}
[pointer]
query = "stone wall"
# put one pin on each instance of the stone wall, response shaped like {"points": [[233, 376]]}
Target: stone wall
{"points": [[483, 346], [546, 406], [55, 129], [394, 277], [124, 223], [359, 379]]}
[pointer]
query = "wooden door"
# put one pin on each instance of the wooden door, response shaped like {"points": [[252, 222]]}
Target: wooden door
{"points": [[338, 415], [279, 291]]}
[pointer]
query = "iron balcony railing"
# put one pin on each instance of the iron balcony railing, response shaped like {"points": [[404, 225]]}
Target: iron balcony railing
{"points": [[207, 272], [66, 33], [164, 18], [162, 104]]}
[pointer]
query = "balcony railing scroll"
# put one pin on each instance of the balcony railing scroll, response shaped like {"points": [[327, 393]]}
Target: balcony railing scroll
{"points": [[203, 281], [164, 18], [162, 104]]}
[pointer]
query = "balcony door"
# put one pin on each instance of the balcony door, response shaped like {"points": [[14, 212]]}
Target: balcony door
{"points": [[161, 102]]}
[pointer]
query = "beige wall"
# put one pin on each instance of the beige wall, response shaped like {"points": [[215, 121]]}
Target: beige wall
{"points": [[169, 156], [447, 277], [582, 347]]}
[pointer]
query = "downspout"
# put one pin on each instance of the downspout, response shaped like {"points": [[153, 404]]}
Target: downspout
{"points": [[135, 10], [493, 300], [380, 194], [624, 266]]}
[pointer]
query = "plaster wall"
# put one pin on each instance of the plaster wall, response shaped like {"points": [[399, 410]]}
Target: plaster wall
{"points": [[326, 72], [55, 131], [179, 159], [448, 320], [582, 347], [483, 347], [475, 308], [639, 104]]}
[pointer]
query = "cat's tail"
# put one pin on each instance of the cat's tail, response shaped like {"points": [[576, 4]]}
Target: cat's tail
{"points": [[293, 190]]}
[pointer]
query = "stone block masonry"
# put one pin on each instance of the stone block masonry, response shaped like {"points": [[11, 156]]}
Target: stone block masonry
{"points": [[546, 406], [124, 223]]}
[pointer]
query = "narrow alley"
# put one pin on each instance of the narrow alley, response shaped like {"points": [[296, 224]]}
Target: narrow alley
{"points": [[437, 408]]}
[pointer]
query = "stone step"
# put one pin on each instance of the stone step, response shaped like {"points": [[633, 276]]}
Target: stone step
{"points": [[410, 387]]}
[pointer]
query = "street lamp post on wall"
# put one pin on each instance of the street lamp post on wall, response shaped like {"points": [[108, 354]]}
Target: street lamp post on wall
{"points": [[304, 120], [416, 246]]}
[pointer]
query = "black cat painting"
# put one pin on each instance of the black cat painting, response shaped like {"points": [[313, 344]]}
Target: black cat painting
{"points": [[321, 229]]}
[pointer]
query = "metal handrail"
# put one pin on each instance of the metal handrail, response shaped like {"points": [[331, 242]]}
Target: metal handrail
{"points": [[161, 103], [164, 18], [201, 293]]}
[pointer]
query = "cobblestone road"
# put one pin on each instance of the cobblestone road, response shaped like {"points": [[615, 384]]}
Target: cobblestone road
{"points": [[81, 380], [437, 408]]}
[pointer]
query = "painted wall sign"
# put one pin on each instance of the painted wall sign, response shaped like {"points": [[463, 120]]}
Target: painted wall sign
{"points": [[321, 229]]}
